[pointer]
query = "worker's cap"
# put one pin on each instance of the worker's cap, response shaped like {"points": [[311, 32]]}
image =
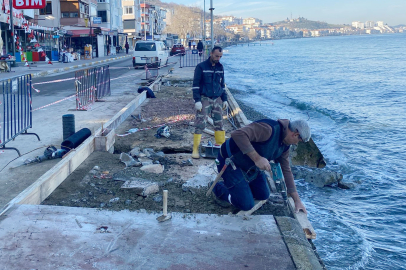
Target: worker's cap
{"points": [[302, 127]]}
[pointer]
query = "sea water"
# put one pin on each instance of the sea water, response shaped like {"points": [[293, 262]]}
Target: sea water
{"points": [[352, 90]]}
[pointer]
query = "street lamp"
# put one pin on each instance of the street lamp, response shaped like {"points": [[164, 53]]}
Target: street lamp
{"points": [[211, 23]]}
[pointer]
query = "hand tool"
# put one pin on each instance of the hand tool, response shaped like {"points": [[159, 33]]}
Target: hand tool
{"points": [[165, 215], [227, 162]]}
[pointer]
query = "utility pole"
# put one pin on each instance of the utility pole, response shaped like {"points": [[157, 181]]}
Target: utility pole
{"points": [[12, 29], [145, 24], [204, 22], [211, 24]]}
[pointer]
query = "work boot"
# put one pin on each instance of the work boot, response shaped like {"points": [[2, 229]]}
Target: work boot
{"points": [[196, 144], [220, 137], [218, 201]]}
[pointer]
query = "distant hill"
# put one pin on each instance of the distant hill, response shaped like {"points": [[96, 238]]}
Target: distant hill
{"points": [[303, 23]]}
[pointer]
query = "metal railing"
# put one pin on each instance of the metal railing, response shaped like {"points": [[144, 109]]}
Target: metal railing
{"points": [[15, 109], [102, 82], [151, 73], [192, 57], [91, 85]]}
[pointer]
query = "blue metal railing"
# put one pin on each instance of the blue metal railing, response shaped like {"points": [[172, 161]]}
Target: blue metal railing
{"points": [[15, 109], [193, 57], [92, 84]]}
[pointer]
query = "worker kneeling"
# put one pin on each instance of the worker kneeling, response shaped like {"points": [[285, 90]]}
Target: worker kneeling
{"points": [[250, 149]]}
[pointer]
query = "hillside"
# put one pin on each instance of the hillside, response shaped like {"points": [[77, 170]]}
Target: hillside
{"points": [[303, 23]]}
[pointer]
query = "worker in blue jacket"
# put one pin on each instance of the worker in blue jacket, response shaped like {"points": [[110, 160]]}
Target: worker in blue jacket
{"points": [[210, 98]]}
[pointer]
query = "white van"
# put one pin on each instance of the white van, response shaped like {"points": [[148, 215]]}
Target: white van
{"points": [[151, 53]]}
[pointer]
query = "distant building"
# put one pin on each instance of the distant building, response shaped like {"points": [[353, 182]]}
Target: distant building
{"points": [[369, 24], [359, 25], [380, 24]]}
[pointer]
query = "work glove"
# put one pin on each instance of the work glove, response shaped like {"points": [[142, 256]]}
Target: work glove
{"points": [[225, 105], [198, 106]]}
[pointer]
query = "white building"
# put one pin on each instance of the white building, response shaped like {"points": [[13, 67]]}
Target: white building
{"points": [[132, 20], [358, 25]]}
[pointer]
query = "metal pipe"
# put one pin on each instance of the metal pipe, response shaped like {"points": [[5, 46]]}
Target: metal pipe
{"points": [[211, 24], [204, 23], [12, 29]]}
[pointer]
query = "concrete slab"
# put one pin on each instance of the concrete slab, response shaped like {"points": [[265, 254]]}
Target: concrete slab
{"points": [[52, 237]]}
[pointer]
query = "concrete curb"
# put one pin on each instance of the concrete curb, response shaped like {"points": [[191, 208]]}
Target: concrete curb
{"points": [[299, 247], [59, 70]]}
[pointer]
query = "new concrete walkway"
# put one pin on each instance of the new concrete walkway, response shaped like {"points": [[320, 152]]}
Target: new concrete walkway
{"points": [[48, 237]]}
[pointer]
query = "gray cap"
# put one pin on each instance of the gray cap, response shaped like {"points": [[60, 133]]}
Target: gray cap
{"points": [[302, 127]]}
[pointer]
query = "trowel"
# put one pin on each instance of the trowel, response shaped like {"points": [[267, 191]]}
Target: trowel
{"points": [[165, 215]]}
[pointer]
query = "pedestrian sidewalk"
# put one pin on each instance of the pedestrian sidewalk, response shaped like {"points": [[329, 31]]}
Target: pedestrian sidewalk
{"points": [[41, 69]]}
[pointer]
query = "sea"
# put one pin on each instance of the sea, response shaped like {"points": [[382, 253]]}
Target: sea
{"points": [[352, 91]]}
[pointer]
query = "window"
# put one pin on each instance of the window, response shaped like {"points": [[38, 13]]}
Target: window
{"points": [[128, 10], [145, 47], [103, 15], [47, 10], [101, 1], [65, 14], [73, 15]]}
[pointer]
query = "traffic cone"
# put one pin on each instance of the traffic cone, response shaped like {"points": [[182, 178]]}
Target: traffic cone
{"points": [[26, 64], [47, 59]]}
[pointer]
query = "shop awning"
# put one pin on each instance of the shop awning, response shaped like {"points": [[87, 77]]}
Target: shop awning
{"points": [[80, 33]]}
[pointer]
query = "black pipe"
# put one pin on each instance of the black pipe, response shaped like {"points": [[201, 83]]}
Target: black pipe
{"points": [[68, 125], [76, 139]]}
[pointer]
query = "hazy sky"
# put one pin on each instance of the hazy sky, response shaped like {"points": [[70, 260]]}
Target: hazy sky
{"points": [[391, 12]]}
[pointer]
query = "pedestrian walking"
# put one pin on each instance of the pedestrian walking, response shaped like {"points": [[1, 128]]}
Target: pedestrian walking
{"points": [[200, 47], [127, 46], [190, 44], [194, 44], [251, 148], [210, 98]]}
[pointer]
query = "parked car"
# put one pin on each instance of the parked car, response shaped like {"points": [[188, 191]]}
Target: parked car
{"points": [[178, 49], [151, 53]]}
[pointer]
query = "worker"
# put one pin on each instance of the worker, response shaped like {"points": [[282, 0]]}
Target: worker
{"points": [[210, 98], [251, 148]]}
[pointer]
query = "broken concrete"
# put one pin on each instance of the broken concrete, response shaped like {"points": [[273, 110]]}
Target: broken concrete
{"points": [[141, 186], [153, 168]]}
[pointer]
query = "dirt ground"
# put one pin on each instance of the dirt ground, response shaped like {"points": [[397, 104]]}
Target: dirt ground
{"points": [[101, 188]]}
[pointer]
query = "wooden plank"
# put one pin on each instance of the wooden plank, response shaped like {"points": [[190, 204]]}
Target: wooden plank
{"points": [[104, 143], [257, 205], [48, 182], [301, 217], [236, 110], [125, 112]]}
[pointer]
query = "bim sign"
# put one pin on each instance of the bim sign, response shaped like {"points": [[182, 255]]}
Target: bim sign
{"points": [[29, 4]]}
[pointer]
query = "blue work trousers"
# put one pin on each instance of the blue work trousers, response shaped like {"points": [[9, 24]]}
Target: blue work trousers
{"points": [[242, 192]]}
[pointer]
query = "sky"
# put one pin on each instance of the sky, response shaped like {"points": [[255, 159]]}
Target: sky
{"points": [[391, 12]]}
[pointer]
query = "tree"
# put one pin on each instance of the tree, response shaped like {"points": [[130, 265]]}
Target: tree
{"points": [[185, 20]]}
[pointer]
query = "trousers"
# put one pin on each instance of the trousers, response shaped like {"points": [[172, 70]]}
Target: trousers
{"points": [[237, 190], [212, 108]]}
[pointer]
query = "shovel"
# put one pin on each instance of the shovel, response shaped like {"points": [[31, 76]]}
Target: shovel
{"points": [[165, 215]]}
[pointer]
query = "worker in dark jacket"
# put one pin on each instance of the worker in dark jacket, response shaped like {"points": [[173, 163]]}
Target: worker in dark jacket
{"points": [[251, 148], [210, 98]]}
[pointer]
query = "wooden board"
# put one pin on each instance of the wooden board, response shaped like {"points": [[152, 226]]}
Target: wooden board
{"points": [[104, 143], [48, 182], [257, 205], [304, 222], [236, 110]]}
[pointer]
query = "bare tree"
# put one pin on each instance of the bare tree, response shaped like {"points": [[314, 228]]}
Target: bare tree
{"points": [[185, 20]]}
